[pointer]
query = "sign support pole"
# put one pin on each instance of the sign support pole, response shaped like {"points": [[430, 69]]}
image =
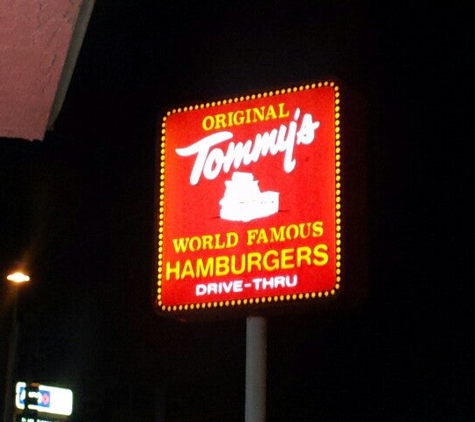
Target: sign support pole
{"points": [[256, 357], [11, 364]]}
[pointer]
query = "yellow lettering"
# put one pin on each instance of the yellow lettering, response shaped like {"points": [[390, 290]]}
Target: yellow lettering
{"points": [[287, 259], [195, 244], [222, 265], [188, 270], [317, 228], [282, 113], [217, 244], [232, 239], [258, 114], [251, 235], [292, 232], [207, 123], [181, 244], [254, 259], [204, 270], [304, 255], [262, 238], [246, 116], [277, 234], [234, 269], [238, 118], [320, 254], [271, 260], [207, 242], [271, 114], [169, 270], [220, 121]]}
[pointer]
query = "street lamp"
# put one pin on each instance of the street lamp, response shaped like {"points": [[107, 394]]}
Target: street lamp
{"points": [[17, 278]]}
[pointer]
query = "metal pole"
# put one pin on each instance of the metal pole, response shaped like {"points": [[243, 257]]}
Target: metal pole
{"points": [[256, 357], [11, 363]]}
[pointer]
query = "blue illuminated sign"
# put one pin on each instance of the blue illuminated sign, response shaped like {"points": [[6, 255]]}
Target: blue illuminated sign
{"points": [[43, 397]]}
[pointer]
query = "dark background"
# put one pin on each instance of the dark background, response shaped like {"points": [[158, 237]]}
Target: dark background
{"points": [[79, 208]]}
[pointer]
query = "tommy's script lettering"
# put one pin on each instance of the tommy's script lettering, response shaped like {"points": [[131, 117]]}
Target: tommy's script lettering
{"points": [[211, 158]]}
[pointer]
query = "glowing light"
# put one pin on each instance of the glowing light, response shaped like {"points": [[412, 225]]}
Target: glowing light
{"points": [[18, 277], [306, 295]]}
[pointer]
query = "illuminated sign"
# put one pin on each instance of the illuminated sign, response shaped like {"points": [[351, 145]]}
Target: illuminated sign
{"points": [[249, 201], [51, 400]]}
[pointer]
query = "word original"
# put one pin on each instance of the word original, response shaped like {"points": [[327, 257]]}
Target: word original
{"points": [[241, 117]]}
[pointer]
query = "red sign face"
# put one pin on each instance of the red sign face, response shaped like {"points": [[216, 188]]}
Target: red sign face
{"points": [[249, 201]]}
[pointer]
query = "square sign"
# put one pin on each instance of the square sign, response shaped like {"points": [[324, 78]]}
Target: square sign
{"points": [[249, 201]]}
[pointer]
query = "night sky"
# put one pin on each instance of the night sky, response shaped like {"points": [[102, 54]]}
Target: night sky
{"points": [[79, 207]]}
